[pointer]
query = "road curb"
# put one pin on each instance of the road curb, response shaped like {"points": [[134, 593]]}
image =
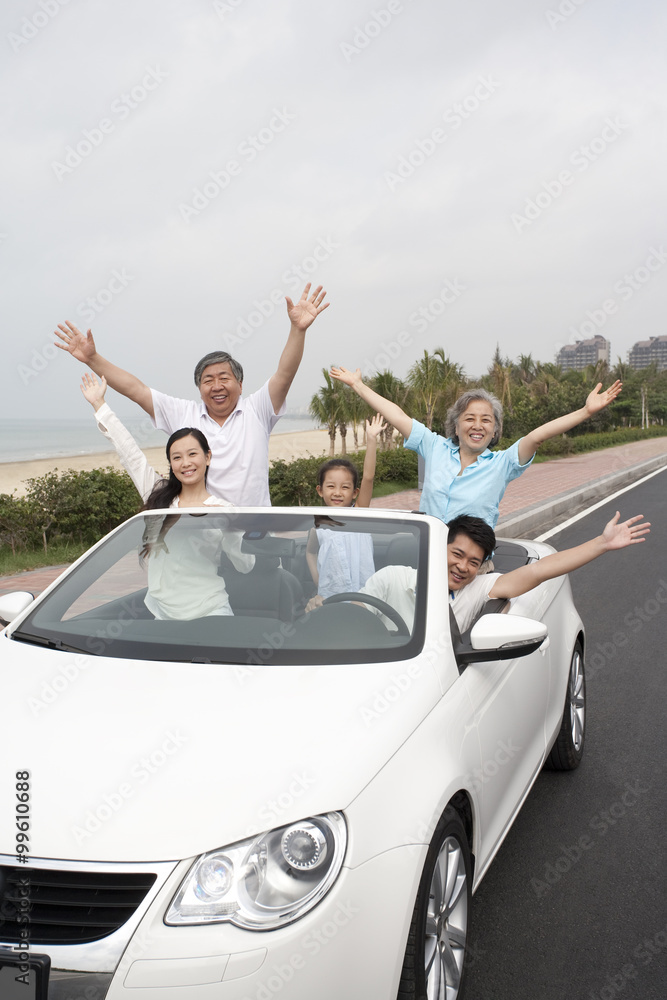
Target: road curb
{"points": [[531, 521]]}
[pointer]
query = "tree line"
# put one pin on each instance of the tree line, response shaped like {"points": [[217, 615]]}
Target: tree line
{"points": [[531, 392]]}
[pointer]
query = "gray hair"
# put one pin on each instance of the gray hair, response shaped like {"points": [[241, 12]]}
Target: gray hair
{"points": [[462, 404], [218, 358]]}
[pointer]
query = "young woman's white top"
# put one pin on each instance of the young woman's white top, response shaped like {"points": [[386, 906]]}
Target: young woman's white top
{"points": [[183, 581]]}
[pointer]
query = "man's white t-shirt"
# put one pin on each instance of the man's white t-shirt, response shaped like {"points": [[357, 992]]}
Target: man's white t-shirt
{"points": [[396, 585], [469, 600], [239, 469]]}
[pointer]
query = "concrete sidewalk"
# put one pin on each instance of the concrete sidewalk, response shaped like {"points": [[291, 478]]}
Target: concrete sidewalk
{"points": [[540, 497]]}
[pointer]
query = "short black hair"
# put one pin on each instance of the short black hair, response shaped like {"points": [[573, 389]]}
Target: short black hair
{"points": [[476, 529], [338, 463]]}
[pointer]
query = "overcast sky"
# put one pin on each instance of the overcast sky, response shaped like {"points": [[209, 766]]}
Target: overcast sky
{"points": [[454, 174]]}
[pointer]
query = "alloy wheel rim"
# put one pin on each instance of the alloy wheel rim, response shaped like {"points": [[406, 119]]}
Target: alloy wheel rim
{"points": [[577, 701], [446, 923]]}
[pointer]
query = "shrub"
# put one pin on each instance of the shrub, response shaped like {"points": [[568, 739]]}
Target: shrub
{"points": [[19, 518], [82, 506], [563, 445], [292, 484]]}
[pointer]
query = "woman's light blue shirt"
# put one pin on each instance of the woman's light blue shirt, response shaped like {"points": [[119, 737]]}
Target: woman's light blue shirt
{"points": [[477, 491]]}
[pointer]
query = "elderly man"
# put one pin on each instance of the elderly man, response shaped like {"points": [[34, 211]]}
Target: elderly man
{"points": [[470, 544], [237, 428]]}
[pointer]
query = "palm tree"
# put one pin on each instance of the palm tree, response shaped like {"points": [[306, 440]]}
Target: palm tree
{"points": [[500, 372], [547, 376], [425, 383], [526, 368], [622, 370], [453, 383], [386, 384], [342, 428], [326, 407], [356, 411], [434, 383]]}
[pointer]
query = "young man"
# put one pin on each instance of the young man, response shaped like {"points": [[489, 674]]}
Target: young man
{"points": [[470, 543], [462, 474], [237, 428]]}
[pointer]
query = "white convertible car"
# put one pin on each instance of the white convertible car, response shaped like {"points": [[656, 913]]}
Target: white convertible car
{"points": [[200, 805]]}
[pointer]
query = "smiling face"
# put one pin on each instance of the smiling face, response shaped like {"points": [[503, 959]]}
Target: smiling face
{"points": [[464, 558], [337, 489], [189, 461], [476, 426], [220, 390]]}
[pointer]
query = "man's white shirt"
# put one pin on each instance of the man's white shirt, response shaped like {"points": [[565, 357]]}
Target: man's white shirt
{"points": [[239, 469], [396, 585]]}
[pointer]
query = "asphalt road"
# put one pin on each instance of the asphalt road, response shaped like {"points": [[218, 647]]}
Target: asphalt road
{"points": [[574, 905]]}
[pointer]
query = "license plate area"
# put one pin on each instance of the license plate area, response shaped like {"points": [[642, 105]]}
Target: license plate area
{"points": [[27, 979]]}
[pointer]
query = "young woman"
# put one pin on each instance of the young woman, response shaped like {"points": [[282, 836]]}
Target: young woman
{"points": [[183, 580]]}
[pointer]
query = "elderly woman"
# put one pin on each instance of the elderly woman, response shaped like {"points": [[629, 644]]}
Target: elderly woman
{"points": [[462, 475]]}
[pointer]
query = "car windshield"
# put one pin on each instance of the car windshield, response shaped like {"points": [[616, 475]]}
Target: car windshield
{"points": [[239, 587]]}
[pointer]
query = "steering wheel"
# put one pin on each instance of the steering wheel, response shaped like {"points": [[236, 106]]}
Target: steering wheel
{"points": [[377, 602]]}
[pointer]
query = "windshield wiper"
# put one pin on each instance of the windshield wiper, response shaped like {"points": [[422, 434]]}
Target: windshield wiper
{"points": [[41, 640]]}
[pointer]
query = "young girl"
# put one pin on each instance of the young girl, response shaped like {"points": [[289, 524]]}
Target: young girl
{"points": [[183, 580], [341, 561]]}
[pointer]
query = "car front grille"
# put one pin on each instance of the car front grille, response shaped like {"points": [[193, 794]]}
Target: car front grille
{"points": [[67, 907]]}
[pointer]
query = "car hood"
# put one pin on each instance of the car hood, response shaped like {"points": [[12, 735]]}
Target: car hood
{"points": [[151, 761]]}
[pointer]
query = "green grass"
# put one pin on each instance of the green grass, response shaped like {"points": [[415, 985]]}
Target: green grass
{"points": [[25, 560], [386, 489]]}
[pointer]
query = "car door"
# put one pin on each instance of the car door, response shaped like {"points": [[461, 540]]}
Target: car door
{"points": [[509, 700]]}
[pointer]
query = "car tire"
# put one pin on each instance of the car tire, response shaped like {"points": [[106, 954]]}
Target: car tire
{"points": [[434, 963], [567, 751]]}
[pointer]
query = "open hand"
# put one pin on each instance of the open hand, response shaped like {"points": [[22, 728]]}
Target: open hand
{"points": [[346, 376], [618, 536], [80, 347], [307, 308], [597, 400], [94, 390], [375, 426]]}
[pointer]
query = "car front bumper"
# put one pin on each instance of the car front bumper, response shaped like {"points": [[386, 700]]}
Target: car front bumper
{"points": [[351, 944]]}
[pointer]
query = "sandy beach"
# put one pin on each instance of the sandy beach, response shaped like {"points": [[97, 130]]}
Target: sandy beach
{"points": [[288, 446]]}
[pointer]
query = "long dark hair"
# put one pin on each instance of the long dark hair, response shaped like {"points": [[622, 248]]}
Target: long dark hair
{"points": [[166, 490]]}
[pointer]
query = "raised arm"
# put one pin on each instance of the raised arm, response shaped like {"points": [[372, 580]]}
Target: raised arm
{"points": [[391, 412], [614, 536], [301, 316], [595, 402], [83, 349], [373, 428], [132, 458]]}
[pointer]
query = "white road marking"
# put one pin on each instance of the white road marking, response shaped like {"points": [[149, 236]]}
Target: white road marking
{"points": [[600, 503]]}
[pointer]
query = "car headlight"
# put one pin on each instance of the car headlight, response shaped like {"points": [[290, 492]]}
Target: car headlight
{"points": [[266, 881]]}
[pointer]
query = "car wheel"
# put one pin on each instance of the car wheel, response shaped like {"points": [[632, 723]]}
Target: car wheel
{"points": [[433, 968], [567, 751]]}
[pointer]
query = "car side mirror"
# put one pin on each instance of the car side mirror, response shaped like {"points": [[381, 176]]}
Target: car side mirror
{"points": [[13, 604], [499, 637]]}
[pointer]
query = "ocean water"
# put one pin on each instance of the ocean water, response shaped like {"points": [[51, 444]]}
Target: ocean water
{"points": [[25, 440]]}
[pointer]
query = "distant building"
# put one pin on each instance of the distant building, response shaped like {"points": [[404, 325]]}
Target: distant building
{"points": [[576, 357], [644, 352]]}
